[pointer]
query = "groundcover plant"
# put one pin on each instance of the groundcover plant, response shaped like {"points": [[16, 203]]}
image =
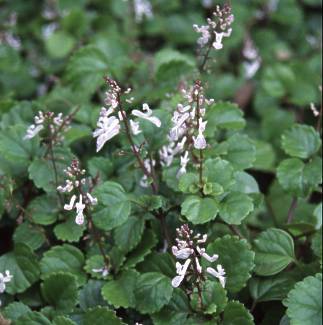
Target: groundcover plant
{"points": [[160, 162]]}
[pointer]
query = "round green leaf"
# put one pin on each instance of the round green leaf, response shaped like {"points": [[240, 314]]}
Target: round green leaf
{"points": [[34, 318], [235, 313], [65, 258], [113, 208], [23, 265], [128, 235], [90, 295], [274, 251], [31, 235], [60, 291], [69, 231], [15, 310], [101, 316], [236, 207], [59, 44], [301, 141], [304, 302], [153, 291], [199, 210], [237, 259], [120, 292], [43, 209]]}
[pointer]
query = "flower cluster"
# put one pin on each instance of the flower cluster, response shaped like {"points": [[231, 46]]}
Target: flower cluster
{"points": [[108, 125], [189, 248], [188, 128], [216, 28], [55, 124], [4, 278], [253, 58], [143, 9], [75, 182]]}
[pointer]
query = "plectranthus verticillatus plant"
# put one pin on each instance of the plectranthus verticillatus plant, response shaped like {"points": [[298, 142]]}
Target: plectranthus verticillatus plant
{"points": [[218, 27], [189, 249], [82, 201]]}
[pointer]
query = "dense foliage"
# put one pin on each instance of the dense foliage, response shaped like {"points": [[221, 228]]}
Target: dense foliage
{"points": [[164, 206]]}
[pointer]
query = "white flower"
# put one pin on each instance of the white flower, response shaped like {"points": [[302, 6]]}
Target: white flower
{"points": [[181, 271], [67, 188], [79, 206], [219, 37], [103, 270], [205, 37], [199, 141], [219, 273], [135, 129], [147, 116], [70, 206], [33, 130], [143, 9], [198, 265], [4, 278], [251, 68], [314, 110], [184, 162], [183, 253], [58, 119], [209, 258], [93, 200], [107, 128]]}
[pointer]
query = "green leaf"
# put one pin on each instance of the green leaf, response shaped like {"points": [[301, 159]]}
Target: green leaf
{"points": [[219, 171], [241, 152], [236, 314], [60, 291], [245, 183], [316, 244], [114, 207], [237, 259], [42, 172], [31, 235], [299, 178], [199, 210], [214, 298], [265, 155], [64, 258], [90, 295], [301, 141], [61, 320], [59, 44], [87, 68], [121, 292], [15, 149], [34, 318], [152, 292], [101, 316], [15, 310], [69, 231], [274, 251], [128, 235], [235, 207], [95, 262], [188, 183], [174, 313], [270, 289], [148, 241], [225, 115], [43, 209], [23, 265], [304, 302], [100, 166], [171, 64]]}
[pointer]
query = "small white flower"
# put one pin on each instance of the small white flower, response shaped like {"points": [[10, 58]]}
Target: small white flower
{"points": [[79, 206], [93, 200], [107, 128], [4, 278], [209, 258], [135, 129], [219, 273], [58, 119], [181, 271], [199, 141], [316, 113], [103, 270], [67, 188], [143, 9], [70, 206], [205, 37], [183, 253], [184, 162], [198, 265], [33, 130], [147, 116]]}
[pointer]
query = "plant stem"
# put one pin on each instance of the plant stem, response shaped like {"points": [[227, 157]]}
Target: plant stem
{"points": [[291, 210], [206, 55]]}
